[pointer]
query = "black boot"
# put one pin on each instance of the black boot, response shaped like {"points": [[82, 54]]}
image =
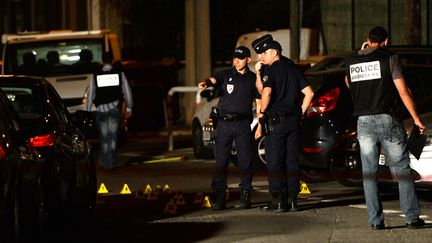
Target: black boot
{"points": [[278, 204], [244, 202], [220, 203], [292, 204]]}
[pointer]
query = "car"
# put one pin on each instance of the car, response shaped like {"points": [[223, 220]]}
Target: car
{"points": [[346, 162], [68, 175], [20, 167]]}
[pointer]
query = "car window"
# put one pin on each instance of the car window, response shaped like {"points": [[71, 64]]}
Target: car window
{"points": [[23, 101], [55, 57]]}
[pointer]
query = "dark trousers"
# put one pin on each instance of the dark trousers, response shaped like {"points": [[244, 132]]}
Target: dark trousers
{"points": [[282, 152], [226, 133]]}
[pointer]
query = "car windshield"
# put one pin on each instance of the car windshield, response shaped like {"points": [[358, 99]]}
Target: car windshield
{"points": [[50, 58]]}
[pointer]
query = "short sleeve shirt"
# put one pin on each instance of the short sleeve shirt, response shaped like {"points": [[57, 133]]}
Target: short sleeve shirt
{"points": [[286, 82], [395, 63], [237, 91]]}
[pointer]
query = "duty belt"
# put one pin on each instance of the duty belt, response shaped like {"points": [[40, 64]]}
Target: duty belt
{"points": [[233, 117]]}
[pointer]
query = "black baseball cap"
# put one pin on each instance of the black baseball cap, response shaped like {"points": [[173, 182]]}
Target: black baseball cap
{"points": [[241, 52]]}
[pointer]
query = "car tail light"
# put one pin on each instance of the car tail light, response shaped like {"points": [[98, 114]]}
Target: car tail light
{"points": [[47, 140], [324, 103], [2, 153], [312, 150]]}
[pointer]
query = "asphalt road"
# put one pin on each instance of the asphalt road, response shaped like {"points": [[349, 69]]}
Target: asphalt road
{"points": [[177, 209]]}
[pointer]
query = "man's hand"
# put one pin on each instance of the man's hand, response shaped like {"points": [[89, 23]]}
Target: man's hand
{"points": [[258, 66], [258, 132], [202, 85], [420, 125], [127, 114]]}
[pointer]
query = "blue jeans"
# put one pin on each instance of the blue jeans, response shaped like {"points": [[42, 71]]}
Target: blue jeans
{"points": [[108, 123], [374, 132]]}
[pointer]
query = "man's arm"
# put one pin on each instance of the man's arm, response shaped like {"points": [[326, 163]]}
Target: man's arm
{"points": [[408, 101], [258, 81], [265, 98], [127, 93], [307, 99], [207, 82], [91, 93], [258, 132], [346, 81]]}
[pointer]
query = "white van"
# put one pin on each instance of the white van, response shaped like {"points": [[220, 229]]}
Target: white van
{"points": [[309, 43], [67, 59]]}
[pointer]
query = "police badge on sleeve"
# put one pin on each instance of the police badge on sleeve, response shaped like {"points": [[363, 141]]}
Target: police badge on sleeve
{"points": [[230, 88]]}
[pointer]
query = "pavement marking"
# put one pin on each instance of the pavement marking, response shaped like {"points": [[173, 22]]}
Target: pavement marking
{"points": [[163, 160]]}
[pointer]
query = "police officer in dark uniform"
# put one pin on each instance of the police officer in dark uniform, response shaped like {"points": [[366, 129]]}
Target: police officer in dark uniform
{"points": [[282, 104], [107, 89], [237, 91]]}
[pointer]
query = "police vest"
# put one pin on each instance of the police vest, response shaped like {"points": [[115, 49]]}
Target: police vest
{"points": [[371, 84], [108, 87]]}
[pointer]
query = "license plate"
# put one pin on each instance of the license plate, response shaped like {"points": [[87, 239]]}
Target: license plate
{"points": [[381, 160]]}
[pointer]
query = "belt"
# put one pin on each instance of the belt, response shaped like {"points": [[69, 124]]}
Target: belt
{"points": [[234, 117]]}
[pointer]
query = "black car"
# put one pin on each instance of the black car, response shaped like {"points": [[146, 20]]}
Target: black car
{"points": [[68, 175], [20, 167]]}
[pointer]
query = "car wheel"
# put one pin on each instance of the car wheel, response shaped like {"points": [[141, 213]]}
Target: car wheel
{"points": [[200, 150], [259, 160]]}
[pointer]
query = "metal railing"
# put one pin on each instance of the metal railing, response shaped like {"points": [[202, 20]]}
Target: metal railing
{"points": [[169, 109]]}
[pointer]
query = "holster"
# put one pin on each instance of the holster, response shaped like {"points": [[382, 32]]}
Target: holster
{"points": [[214, 116]]}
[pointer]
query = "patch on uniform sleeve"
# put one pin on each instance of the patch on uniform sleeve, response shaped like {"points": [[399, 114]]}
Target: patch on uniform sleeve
{"points": [[265, 78], [230, 88]]}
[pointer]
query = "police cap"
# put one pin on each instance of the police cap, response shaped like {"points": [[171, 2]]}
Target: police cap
{"points": [[264, 43], [241, 52]]}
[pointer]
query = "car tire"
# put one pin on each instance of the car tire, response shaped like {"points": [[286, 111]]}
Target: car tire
{"points": [[200, 150], [258, 151]]}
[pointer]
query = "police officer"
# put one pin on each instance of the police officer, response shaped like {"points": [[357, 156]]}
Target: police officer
{"points": [[107, 90], [237, 91], [282, 86], [379, 92]]}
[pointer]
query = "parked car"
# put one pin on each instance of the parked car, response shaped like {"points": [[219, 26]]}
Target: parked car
{"points": [[346, 162], [20, 174], [68, 175]]}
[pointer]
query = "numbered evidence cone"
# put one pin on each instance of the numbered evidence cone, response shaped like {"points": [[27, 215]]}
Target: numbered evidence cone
{"points": [[166, 188], [179, 199], [199, 198], [304, 188], [125, 190], [102, 189], [148, 190], [171, 207], [206, 203]]}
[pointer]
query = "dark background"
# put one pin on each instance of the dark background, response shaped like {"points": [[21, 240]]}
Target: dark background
{"points": [[156, 29]]}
